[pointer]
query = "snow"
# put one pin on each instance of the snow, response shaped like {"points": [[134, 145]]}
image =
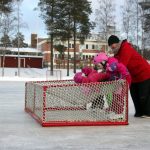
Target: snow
{"points": [[19, 131], [27, 49], [34, 74]]}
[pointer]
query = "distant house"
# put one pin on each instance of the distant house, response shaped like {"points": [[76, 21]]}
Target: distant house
{"points": [[84, 52], [26, 57], [93, 44]]}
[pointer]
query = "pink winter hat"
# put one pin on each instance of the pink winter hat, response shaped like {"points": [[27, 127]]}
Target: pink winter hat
{"points": [[100, 57]]}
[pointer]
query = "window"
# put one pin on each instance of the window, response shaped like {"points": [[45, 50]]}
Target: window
{"points": [[86, 46], [69, 45], [55, 55], [93, 46]]}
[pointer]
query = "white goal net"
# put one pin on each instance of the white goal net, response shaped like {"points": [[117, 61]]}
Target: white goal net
{"points": [[63, 102]]}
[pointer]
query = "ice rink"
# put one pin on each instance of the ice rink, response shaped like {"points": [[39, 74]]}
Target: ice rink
{"points": [[19, 131]]}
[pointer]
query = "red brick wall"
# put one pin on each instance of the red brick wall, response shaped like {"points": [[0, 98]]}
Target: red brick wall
{"points": [[32, 62]]}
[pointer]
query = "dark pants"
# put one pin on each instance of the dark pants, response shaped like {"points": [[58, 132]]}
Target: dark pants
{"points": [[98, 102], [140, 93]]}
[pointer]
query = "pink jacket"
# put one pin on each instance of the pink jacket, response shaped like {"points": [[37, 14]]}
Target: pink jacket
{"points": [[116, 70], [88, 75]]}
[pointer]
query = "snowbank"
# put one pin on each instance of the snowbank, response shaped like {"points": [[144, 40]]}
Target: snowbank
{"points": [[35, 74]]}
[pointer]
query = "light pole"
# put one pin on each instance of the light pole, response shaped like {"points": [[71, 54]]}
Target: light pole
{"points": [[137, 24], [18, 9]]}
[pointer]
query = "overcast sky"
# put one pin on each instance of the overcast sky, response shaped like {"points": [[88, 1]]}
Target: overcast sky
{"points": [[35, 23]]}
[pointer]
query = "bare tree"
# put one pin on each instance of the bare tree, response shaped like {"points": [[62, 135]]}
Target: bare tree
{"points": [[19, 25], [127, 16], [132, 21], [138, 19], [9, 24], [7, 28], [145, 24], [105, 17]]}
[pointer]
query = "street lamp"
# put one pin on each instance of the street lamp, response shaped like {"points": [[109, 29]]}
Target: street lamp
{"points": [[18, 27]]}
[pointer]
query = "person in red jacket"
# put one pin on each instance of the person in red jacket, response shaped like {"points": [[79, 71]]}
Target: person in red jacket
{"points": [[139, 69]]}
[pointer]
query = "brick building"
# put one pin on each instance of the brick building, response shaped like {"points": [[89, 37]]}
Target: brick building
{"points": [[84, 52], [28, 58]]}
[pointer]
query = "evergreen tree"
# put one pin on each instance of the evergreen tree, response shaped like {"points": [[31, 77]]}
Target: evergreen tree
{"points": [[5, 41], [19, 39], [81, 22], [5, 6], [61, 49], [65, 18], [49, 12]]}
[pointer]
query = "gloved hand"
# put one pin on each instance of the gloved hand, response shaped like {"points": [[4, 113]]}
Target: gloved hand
{"points": [[87, 70], [103, 76], [93, 77], [78, 77]]}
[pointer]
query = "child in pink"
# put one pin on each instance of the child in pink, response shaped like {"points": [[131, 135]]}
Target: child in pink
{"points": [[112, 70]]}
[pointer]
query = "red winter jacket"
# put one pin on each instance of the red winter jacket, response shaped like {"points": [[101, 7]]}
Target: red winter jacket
{"points": [[135, 63]]}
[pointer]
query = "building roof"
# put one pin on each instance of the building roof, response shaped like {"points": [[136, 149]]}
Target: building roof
{"points": [[28, 49], [24, 56]]}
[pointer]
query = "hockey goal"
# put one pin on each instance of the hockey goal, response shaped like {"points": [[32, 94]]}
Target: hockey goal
{"points": [[65, 103]]}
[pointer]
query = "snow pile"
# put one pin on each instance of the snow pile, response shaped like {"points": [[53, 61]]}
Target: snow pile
{"points": [[35, 74]]}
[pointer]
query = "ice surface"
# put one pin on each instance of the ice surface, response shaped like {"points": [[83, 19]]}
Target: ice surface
{"points": [[19, 131]]}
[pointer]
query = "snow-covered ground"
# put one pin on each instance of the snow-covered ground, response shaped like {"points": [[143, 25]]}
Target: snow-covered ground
{"points": [[34, 74]]}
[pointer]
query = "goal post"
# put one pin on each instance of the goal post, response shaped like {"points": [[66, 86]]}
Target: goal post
{"points": [[65, 103]]}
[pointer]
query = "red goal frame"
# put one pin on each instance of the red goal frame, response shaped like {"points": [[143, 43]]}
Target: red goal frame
{"points": [[31, 108]]}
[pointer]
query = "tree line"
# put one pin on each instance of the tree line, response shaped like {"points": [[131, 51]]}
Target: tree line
{"points": [[9, 35], [64, 19]]}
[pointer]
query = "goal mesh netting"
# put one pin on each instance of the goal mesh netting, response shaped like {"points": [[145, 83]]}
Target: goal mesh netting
{"points": [[63, 102]]}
